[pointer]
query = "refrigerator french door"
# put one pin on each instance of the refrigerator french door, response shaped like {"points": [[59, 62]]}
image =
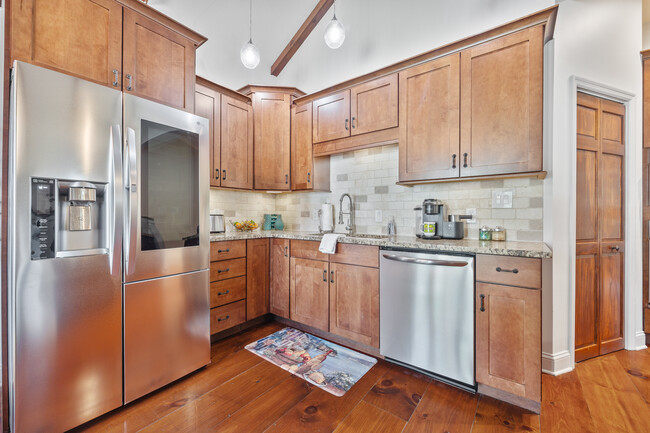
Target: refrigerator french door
{"points": [[166, 245], [64, 250]]}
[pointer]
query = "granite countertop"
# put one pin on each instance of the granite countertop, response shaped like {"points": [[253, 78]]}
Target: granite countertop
{"points": [[507, 248]]}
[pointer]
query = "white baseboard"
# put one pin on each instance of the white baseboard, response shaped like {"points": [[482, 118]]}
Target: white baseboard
{"points": [[639, 341], [556, 363]]}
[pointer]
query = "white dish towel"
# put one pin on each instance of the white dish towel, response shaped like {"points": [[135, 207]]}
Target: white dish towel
{"points": [[328, 243]]}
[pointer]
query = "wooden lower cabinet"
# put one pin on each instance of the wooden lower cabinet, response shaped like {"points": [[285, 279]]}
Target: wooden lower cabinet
{"points": [[508, 339], [354, 303], [309, 289], [257, 278], [279, 284]]}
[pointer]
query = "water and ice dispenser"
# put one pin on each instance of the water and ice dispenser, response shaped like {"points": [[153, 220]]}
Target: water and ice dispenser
{"points": [[69, 218]]}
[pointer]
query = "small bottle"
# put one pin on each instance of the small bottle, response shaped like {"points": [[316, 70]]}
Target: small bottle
{"points": [[499, 234], [391, 227], [485, 233]]}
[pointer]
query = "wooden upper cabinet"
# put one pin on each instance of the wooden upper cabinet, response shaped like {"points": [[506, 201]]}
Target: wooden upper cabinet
{"points": [[354, 303], [257, 278], [280, 259], [646, 101], [501, 105], [373, 105], [272, 125], [309, 290], [76, 37], [508, 339], [158, 63], [236, 143], [302, 151], [208, 104], [429, 112], [332, 117]]}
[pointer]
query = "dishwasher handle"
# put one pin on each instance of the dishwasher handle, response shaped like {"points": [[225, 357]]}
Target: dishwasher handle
{"points": [[456, 264]]}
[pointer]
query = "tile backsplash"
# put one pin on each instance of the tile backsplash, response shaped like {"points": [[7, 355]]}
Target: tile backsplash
{"points": [[370, 175]]}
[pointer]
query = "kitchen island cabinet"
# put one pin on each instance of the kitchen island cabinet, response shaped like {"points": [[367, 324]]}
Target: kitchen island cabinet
{"points": [[119, 43]]}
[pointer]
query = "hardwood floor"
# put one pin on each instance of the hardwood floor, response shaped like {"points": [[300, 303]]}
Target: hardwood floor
{"points": [[240, 392]]}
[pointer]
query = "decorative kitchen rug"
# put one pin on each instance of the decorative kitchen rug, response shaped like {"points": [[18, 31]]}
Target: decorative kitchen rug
{"points": [[327, 365]]}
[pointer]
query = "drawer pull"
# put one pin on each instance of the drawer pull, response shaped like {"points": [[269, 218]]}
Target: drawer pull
{"points": [[116, 75], [482, 302], [286, 251], [221, 270], [223, 293], [465, 160], [332, 277], [130, 85], [222, 319], [325, 275], [227, 250], [514, 271], [615, 248], [453, 161]]}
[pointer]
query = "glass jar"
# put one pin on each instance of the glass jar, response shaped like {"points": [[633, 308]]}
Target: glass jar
{"points": [[499, 234], [485, 233]]}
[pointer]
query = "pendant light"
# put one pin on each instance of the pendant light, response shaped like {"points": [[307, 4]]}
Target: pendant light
{"points": [[335, 32], [249, 54]]}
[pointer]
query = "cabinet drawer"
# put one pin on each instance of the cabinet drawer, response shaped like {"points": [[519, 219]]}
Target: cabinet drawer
{"points": [[227, 316], [224, 250], [227, 291], [361, 255], [227, 269], [307, 250], [511, 271]]}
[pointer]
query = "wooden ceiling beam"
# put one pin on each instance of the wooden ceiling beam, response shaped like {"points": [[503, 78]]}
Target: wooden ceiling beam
{"points": [[310, 23]]}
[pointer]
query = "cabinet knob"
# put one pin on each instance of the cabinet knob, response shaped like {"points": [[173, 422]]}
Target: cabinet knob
{"points": [[129, 77], [116, 76]]}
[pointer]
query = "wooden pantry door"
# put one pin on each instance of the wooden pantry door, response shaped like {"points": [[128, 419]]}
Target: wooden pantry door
{"points": [[600, 246]]}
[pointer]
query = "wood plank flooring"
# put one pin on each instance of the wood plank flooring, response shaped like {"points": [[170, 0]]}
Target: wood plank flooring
{"points": [[240, 392]]}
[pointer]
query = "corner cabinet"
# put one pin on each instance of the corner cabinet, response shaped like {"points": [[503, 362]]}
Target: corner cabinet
{"points": [[123, 44], [509, 330]]}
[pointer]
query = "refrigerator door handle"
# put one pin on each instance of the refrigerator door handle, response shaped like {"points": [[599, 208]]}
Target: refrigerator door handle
{"points": [[115, 255], [131, 187]]}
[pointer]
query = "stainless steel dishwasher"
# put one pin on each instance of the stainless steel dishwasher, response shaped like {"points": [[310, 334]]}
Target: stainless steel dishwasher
{"points": [[427, 313]]}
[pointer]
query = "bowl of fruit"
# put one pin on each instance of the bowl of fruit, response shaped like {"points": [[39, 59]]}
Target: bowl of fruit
{"points": [[245, 226]]}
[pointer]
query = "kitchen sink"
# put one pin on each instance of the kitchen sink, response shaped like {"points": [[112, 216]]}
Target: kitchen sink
{"points": [[357, 235]]}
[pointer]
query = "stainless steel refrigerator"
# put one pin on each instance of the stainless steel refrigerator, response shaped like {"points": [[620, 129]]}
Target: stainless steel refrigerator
{"points": [[108, 248]]}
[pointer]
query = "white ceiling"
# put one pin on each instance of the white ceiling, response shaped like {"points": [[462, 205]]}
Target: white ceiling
{"points": [[378, 33]]}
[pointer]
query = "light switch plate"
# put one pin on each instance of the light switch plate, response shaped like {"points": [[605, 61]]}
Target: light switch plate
{"points": [[471, 211], [378, 216], [502, 199]]}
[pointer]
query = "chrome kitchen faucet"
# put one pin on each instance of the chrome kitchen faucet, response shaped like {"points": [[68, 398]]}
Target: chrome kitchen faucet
{"points": [[350, 227]]}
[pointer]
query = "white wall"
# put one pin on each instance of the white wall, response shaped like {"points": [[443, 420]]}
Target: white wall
{"points": [[597, 40]]}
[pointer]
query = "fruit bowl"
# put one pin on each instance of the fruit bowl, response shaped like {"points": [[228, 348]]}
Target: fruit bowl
{"points": [[245, 226]]}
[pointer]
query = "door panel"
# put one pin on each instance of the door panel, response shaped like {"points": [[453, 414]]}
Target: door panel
{"points": [[54, 34], [373, 105], [611, 298], [272, 126], [332, 117], [586, 338], [236, 144], [586, 210], [257, 278], [159, 61], [429, 120], [309, 288], [166, 331], [611, 197], [354, 303], [302, 154], [502, 102], [205, 105], [280, 292]]}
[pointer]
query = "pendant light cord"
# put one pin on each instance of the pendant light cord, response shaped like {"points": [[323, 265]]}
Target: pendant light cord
{"points": [[250, 23], [334, 5]]}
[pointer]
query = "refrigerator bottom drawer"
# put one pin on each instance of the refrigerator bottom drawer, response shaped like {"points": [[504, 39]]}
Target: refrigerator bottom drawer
{"points": [[166, 331]]}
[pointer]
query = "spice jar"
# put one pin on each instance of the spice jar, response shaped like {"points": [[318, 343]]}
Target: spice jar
{"points": [[485, 233], [499, 234]]}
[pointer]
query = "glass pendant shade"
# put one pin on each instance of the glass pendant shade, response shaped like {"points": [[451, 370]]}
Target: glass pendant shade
{"points": [[250, 55], [334, 33]]}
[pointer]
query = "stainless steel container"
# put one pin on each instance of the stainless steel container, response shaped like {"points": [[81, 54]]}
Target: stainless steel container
{"points": [[217, 222]]}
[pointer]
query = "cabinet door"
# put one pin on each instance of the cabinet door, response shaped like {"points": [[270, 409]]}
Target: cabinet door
{"points": [[508, 339], [429, 116], [501, 106], [209, 106], [309, 292], [236, 144], [373, 105], [332, 117], [354, 303], [280, 277], [302, 155], [77, 37], [257, 278], [272, 126], [159, 62]]}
